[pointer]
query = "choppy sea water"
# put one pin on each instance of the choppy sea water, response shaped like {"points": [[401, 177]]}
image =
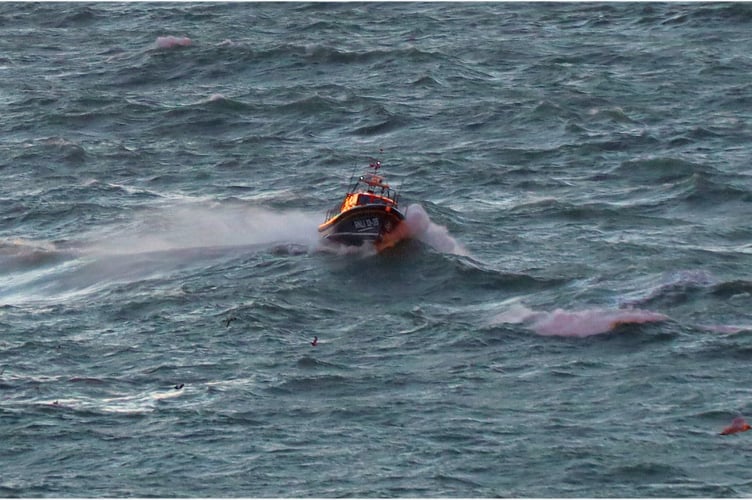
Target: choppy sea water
{"points": [[571, 317]]}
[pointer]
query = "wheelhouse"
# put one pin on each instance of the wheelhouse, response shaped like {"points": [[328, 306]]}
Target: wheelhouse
{"points": [[368, 189]]}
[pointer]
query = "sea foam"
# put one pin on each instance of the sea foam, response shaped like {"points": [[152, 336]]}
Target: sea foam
{"points": [[169, 42], [582, 323]]}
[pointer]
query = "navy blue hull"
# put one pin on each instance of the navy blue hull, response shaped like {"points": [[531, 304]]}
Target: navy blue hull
{"points": [[362, 224]]}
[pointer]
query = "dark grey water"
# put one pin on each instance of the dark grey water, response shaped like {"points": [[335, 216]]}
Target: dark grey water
{"points": [[570, 319]]}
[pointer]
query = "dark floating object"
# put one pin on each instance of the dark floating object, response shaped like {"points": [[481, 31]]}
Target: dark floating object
{"points": [[315, 341], [178, 387], [229, 320]]}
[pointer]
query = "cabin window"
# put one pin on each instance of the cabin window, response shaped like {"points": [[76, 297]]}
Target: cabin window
{"points": [[365, 199]]}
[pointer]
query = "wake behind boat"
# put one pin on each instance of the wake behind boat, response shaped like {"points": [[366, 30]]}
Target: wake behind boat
{"points": [[369, 213]]}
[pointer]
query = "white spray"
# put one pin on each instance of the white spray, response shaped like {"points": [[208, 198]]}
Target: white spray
{"points": [[418, 225], [189, 226]]}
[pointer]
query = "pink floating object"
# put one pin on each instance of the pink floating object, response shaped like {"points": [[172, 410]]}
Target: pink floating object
{"points": [[737, 425], [168, 42]]}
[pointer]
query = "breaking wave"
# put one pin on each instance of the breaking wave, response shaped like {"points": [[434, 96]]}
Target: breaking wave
{"points": [[583, 323], [419, 226], [169, 42]]}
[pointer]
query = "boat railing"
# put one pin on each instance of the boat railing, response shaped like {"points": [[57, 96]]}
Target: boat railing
{"points": [[332, 212]]}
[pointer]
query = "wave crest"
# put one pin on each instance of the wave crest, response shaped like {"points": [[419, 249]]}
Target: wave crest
{"points": [[583, 323]]}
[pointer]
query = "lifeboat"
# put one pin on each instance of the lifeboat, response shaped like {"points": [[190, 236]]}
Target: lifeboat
{"points": [[369, 213]]}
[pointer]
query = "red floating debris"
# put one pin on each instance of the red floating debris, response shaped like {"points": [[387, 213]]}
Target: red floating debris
{"points": [[737, 425]]}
